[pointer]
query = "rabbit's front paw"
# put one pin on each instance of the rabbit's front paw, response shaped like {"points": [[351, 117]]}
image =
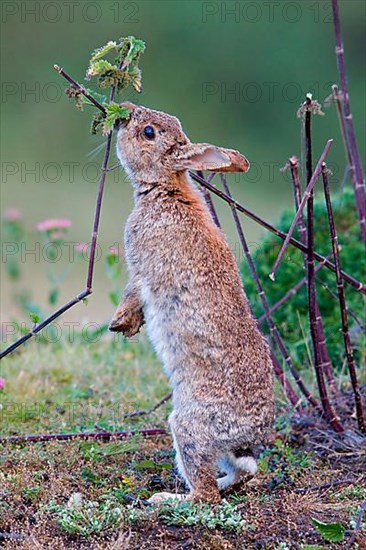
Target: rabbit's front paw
{"points": [[128, 321]]}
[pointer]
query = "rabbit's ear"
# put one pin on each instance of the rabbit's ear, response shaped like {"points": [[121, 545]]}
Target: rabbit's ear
{"points": [[203, 156]]}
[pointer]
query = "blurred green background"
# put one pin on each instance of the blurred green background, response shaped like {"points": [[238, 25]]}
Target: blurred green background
{"points": [[233, 72]]}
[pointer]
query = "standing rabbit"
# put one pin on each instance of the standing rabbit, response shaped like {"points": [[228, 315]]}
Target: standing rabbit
{"points": [[185, 285]]}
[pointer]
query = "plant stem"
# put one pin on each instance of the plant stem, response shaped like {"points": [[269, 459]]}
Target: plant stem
{"points": [[151, 410], [294, 169], [338, 103], [209, 202], [307, 195], [288, 390], [342, 305], [351, 141], [327, 408], [326, 364], [81, 88], [37, 328], [94, 236], [273, 328], [250, 214], [105, 436]]}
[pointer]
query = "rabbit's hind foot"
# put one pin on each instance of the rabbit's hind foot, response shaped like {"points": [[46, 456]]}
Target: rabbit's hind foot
{"points": [[195, 464]]}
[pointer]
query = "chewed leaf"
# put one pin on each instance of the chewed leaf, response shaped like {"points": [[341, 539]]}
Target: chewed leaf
{"points": [[101, 52], [114, 112], [332, 532]]}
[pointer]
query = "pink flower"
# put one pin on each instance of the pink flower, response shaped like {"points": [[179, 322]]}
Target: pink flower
{"points": [[12, 214], [2, 383], [54, 224]]}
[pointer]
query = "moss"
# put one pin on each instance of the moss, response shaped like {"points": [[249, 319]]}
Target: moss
{"points": [[292, 317]]}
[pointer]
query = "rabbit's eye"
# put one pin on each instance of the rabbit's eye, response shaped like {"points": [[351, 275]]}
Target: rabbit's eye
{"points": [[149, 132]]}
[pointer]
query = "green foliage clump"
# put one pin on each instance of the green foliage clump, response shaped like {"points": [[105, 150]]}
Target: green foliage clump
{"points": [[82, 517], [292, 317], [226, 516]]}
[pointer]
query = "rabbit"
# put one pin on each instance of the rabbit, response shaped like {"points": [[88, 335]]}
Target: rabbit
{"points": [[184, 284]]}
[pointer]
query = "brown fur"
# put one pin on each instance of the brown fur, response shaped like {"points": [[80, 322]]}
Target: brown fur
{"points": [[185, 284]]}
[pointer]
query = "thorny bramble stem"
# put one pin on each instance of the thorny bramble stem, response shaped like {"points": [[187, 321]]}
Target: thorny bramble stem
{"points": [[209, 202], [326, 364], [105, 436], [323, 394], [307, 195], [352, 147], [342, 305]]}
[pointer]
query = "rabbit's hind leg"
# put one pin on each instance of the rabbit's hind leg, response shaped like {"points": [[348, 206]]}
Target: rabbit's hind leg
{"points": [[195, 466]]}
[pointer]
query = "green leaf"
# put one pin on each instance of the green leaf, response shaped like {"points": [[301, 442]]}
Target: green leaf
{"points": [[88, 475], [53, 296], [98, 452], [137, 47], [332, 532], [103, 50], [165, 466], [145, 465], [151, 465], [112, 260], [312, 547], [114, 113], [35, 318]]}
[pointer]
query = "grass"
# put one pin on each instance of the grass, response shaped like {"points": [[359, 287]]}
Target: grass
{"points": [[89, 494], [76, 387]]}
